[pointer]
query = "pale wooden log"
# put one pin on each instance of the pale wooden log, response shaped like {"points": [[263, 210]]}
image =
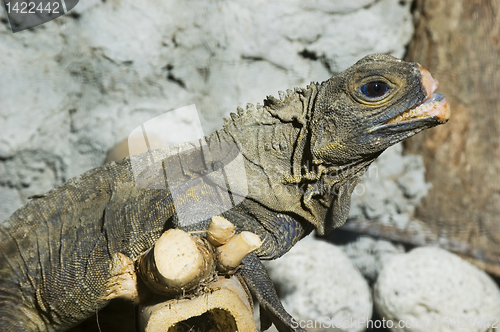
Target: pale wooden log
{"points": [[230, 255], [220, 230], [226, 305], [178, 263]]}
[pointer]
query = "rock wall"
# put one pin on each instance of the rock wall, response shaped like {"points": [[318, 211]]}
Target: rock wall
{"points": [[74, 87]]}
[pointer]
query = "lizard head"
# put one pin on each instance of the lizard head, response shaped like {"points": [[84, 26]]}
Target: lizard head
{"points": [[357, 114], [377, 102]]}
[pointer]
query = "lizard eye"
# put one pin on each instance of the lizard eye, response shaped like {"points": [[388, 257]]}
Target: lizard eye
{"points": [[374, 89]]}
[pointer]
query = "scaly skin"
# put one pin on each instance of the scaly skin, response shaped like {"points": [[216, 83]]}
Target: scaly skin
{"points": [[302, 155]]}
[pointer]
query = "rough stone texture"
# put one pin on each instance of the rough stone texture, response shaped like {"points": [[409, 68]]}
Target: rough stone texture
{"points": [[432, 285], [74, 87], [367, 254], [326, 287], [385, 201], [383, 205], [391, 189]]}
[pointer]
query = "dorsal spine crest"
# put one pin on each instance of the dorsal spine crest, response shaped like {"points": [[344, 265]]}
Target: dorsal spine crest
{"points": [[266, 112]]}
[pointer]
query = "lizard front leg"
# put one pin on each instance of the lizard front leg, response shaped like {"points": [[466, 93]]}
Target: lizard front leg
{"points": [[261, 286]]}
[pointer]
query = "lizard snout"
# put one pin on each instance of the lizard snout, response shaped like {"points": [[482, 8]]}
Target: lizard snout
{"points": [[430, 83]]}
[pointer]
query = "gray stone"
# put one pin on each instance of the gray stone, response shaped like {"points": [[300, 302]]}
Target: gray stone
{"points": [[338, 6], [367, 254], [432, 286], [318, 283], [391, 189]]}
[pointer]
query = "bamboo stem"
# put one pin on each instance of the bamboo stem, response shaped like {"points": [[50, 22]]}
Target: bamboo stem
{"points": [[230, 255], [177, 263], [220, 230]]}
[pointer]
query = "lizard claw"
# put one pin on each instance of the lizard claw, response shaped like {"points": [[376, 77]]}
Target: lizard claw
{"points": [[261, 286], [265, 319]]}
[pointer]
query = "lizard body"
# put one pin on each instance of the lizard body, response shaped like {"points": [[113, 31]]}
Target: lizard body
{"points": [[303, 154]]}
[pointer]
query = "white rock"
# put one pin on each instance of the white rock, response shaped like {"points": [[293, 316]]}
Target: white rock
{"points": [[371, 25], [391, 189], [367, 254], [432, 286], [318, 283]]}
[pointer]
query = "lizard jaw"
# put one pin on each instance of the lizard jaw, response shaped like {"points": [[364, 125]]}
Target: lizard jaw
{"points": [[434, 106]]}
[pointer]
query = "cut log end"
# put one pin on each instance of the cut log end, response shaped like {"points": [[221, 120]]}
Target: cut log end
{"points": [[179, 262], [226, 306], [178, 258], [220, 230], [230, 255]]}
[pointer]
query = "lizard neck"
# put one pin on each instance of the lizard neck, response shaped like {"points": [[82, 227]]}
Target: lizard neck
{"points": [[274, 135], [273, 143]]}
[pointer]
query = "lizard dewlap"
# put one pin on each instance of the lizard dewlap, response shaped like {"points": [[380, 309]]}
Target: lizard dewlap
{"points": [[302, 154]]}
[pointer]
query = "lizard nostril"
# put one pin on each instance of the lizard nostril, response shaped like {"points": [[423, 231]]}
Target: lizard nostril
{"points": [[429, 83]]}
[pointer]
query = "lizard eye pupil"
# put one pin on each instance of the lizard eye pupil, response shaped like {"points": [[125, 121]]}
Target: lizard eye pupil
{"points": [[375, 89]]}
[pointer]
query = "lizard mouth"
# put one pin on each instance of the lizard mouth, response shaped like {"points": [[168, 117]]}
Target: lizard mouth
{"points": [[434, 107]]}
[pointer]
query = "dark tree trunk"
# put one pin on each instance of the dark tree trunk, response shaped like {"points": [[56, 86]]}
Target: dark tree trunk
{"points": [[459, 42]]}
